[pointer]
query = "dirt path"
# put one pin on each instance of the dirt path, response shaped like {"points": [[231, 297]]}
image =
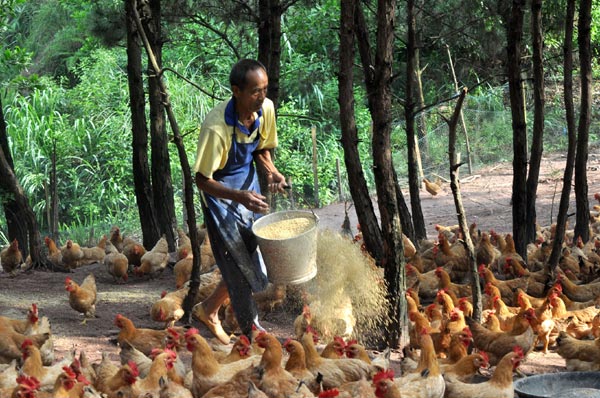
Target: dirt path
{"points": [[486, 200]]}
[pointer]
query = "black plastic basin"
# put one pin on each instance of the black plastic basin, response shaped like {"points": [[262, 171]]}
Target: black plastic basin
{"points": [[564, 384]]}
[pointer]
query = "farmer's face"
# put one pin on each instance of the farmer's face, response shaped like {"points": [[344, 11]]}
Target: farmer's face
{"points": [[250, 98]]}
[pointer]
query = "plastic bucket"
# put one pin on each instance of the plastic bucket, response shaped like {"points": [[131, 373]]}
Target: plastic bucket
{"points": [[288, 243]]}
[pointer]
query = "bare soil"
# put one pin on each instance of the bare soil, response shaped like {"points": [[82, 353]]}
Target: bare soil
{"points": [[486, 198]]}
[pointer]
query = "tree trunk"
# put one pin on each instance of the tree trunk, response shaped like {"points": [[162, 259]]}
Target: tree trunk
{"points": [[269, 43], [414, 183], [12, 214], [519, 127], [537, 142], [563, 208], [162, 185], [583, 131], [139, 143]]}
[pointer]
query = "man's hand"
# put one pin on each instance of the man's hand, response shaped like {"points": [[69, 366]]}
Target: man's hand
{"points": [[253, 201], [276, 182]]}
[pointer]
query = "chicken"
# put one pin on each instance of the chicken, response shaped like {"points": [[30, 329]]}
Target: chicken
{"points": [[42, 326], [335, 371], [431, 187], [506, 287], [82, 298], [459, 345], [380, 360], [583, 350], [498, 344], [426, 283], [143, 339], [385, 386], [296, 365], [171, 389], [485, 252], [169, 308], [8, 375], [133, 250], [116, 381], [559, 310], [11, 342], [184, 245], [207, 372], [54, 253], [32, 364], [116, 238], [129, 353], [155, 261], [426, 381], [11, 257], [72, 255], [241, 349], [334, 349], [116, 263], [587, 292], [162, 362], [270, 299], [94, 254], [466, 368], [183, 271], [444, 282], [275, 380], [499, 386]]}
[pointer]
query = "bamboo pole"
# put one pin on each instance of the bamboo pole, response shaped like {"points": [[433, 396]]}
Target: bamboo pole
{"points": [[313, 131]]}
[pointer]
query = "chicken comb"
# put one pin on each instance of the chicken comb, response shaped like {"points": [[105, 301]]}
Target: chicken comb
{"points": [[254, 327], [340, 340], [485, 356], [334, 392], [244, 339], [68, 280], [481, 268], [519, 351], [191, 332], [163, 293], [467, 331], [134, 369], [26, 343], [495, 299], [155, 352], [287, 341], [463, 299], [173, 333], [170, 353], [423, 331], [29, 381], [34, 308], [430, 307], [384, 374], [69, 372]]}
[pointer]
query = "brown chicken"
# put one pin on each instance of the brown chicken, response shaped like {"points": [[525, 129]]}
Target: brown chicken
{"points": [[11, 257], [183, 271], [466, 368], [579, 354], [587, 292], [425, 283], [335, 371], [169, 308], [444, 282], [54, 253], [207, 372], [506, 287], [114, 380], [275, 380], [133, 250], [33, 366], [143, 339], [72, 255], [498, 344], [116, 238], [155, 261], [162, 362], [499, 386], [485, 252], [431, 187], [334, 349], [116, 264], [94, 254], [184, 245], [296, 365], [82, 298], [11, 341]]}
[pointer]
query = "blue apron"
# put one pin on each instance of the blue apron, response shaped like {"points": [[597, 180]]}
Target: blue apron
{"points": [[229, 223]]}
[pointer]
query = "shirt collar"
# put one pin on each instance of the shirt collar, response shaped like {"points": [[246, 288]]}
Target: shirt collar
{"points": [[232, 120]]}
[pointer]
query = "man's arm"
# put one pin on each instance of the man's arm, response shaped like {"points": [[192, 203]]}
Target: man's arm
{"points": [[275, 180], [249, 199]]}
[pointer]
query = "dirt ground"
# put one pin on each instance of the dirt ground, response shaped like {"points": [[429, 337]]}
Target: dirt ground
{"points": [[486, 196]]}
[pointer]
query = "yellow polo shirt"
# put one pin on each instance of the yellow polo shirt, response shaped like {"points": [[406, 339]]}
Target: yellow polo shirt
{"points": [[214, 140]]}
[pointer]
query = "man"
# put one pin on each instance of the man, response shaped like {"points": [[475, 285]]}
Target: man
{"points": [[233, 145]]}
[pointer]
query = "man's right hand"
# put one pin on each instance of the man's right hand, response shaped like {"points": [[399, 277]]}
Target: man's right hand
{"points": [[253, 201]]}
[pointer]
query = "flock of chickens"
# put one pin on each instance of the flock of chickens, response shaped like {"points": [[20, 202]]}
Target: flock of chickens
{"points": [[447, 347]]}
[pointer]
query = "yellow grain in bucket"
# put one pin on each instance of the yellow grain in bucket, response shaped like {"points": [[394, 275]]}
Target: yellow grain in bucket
{"points": [[288, 243]]}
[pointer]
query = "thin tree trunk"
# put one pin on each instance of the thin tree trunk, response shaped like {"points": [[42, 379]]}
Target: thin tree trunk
{"points": [[563, 208], [139, 143], [269, 43], [537, 142], [583, 131], [460, 211], [409, 115], [519, 127], [162, 184]]}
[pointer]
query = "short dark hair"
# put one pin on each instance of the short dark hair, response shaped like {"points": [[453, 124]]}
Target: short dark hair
{"points": [[237, 76]]}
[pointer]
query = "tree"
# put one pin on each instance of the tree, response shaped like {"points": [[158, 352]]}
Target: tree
{"points": [[537, 143], [583, 130], [139, 143], [519, 125]]}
